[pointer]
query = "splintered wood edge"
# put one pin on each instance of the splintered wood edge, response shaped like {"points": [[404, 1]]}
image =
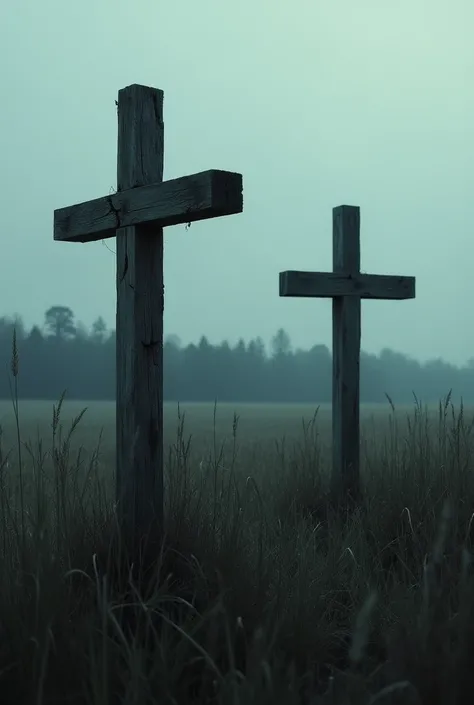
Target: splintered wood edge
{"points": [[208, 194]]}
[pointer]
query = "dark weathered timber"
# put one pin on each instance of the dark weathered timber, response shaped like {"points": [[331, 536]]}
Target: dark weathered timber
{"points": [[196, 197], [346, 285], [136, 215], [139, 325], [328, 284], [346, 359]]}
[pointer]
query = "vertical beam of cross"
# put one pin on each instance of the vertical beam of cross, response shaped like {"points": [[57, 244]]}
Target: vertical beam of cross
{"points": [[139, 320], [346, 356], [346, 286], [136, 215]]}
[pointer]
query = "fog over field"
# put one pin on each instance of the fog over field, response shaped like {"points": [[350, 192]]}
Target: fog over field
{"points": [[257, 428], [256, 557], [317, 104]]}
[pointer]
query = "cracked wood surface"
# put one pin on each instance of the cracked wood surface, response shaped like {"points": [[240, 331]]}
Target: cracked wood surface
{"points": [[136, 215], [140, 303], [208, 194]]}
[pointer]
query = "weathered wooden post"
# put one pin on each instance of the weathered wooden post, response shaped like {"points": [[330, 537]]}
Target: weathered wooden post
{"points": [[136, 215], [346, 286]]}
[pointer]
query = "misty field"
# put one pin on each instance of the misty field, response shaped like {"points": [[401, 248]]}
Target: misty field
{"points": [[260, 426], [261, 593]]}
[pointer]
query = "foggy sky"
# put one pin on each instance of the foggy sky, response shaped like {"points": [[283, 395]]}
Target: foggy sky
{"points": [[318, 104]]}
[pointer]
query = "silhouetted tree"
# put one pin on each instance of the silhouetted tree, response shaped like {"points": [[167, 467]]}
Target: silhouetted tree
{"points": [[84, 364], [281, 343], [59, 321], [173, 340], [99, 330]]}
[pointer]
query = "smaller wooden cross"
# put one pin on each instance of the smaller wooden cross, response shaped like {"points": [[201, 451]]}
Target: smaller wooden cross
{"points": [[346, 286], [136, 215]]}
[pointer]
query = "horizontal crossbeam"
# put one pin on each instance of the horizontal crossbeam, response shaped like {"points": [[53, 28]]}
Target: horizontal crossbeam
{"points": [[208, 194], [330, 285]]}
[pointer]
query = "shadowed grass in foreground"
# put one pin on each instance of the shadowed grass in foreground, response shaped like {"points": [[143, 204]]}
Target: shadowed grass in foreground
{"points": [[259, 594]]}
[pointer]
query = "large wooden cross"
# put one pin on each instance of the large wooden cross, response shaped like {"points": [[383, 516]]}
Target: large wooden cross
{"points": [[136, 215], [346, 286]]}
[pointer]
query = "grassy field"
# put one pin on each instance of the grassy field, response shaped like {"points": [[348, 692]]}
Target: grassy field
{"points": [[261, 593], [260, 426]]}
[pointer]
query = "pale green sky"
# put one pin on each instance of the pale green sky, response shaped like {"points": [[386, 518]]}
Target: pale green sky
{"points": [[366, 102]]}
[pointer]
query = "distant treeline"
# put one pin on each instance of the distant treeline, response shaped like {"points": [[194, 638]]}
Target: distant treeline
{"points": [[63, 355]]}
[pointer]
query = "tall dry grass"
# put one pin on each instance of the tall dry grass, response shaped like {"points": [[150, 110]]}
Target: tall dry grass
{"points": [[260, 593]]}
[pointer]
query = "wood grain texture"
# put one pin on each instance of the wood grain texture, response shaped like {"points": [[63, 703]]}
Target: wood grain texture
{"points": [[136, 216], [329, 284], [346, 285], [346, 359], [139, 326], [209, 194]]}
